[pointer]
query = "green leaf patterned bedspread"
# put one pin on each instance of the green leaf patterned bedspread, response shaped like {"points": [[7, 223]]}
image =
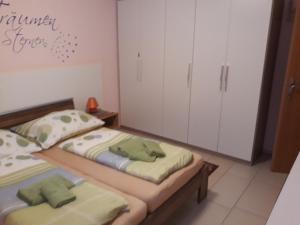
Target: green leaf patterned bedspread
{"points": [[95, 146]]}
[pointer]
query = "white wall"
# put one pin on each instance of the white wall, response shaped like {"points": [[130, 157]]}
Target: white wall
{"points": [[34, 87]]}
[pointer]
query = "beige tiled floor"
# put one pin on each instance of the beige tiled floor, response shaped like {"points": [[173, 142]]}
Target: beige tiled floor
{"points": [[239, 194]]}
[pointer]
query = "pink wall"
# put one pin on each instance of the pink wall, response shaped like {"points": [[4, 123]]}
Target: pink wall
{"points": [[74, 32]]}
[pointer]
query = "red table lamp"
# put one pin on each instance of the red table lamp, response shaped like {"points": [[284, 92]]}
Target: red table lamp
{"points": [[92, 105]]}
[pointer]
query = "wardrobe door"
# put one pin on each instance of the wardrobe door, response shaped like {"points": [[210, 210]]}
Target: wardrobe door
{"points": [[129, 31], [212, 19], [141, 43], [150, 98], [180, 22], [249, 25]]}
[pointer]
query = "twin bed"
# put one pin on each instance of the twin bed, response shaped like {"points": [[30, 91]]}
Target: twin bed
{"points": [[148, 202]]}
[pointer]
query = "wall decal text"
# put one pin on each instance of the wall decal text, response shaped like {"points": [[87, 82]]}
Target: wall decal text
{"points": [[22, 32], [3, 3]]}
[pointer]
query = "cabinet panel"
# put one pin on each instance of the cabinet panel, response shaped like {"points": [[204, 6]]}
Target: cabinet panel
{"points": [[210, 45], [129, 44], [141, 63], [180, 21], [152, 54], [246, 56]]}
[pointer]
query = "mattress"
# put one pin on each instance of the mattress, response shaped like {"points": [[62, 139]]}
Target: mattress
{"points": [[152, 194], [138, 209], [95, 146]]}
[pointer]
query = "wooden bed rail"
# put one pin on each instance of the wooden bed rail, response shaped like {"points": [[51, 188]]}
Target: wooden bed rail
{"points": [[197, 184]]}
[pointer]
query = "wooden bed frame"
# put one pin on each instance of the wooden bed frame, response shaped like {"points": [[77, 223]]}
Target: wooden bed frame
{"points": [[197, 184]]}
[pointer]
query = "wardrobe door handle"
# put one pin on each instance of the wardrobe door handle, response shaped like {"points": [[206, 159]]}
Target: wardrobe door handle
{"points": [[189, 75], [221, 77], [139, 65], [226, 78], [140, 70], [137, 70]]}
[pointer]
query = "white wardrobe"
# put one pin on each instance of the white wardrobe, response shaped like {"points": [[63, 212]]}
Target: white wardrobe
{"points": [[191, 70], [141, 63], [179, 47]]}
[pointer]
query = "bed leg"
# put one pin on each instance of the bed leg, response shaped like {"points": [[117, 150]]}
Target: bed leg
{"points": [[202, 191]]}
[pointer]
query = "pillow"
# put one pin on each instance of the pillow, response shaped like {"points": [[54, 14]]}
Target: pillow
{"points": [[54, 127], [11, 143]]}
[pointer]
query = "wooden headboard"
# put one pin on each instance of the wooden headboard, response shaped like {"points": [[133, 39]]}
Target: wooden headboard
{"points": [[24, 115]]}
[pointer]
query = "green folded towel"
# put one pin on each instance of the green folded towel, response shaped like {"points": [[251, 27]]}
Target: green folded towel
{"points": [[32, 194], [153, 148], [132, 150], [57, 194], [138, 149]]}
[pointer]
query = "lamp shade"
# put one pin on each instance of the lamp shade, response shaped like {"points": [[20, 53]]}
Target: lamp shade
{"points": [[92, 105]]}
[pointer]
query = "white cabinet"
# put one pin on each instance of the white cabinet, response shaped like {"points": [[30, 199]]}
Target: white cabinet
{"points": [[230, 46], [209, 59], [129, 46], [248, 36], [180, 21], [191, 70], [141, 58]]}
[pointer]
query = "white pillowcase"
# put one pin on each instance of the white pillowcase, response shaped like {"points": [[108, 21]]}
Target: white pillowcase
{"points": [[54, 127], [11, 143]]}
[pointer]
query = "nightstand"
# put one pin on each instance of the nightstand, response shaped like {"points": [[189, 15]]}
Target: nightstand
{"points": [[110, 118]]}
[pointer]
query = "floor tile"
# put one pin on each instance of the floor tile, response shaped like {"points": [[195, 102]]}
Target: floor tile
{"points": [[268, 177], [241, 217], [259, 198], [243, 170], [228, 189], [210, 213], [214, 178], [206, 213], [264, 165], [223, 163]]}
